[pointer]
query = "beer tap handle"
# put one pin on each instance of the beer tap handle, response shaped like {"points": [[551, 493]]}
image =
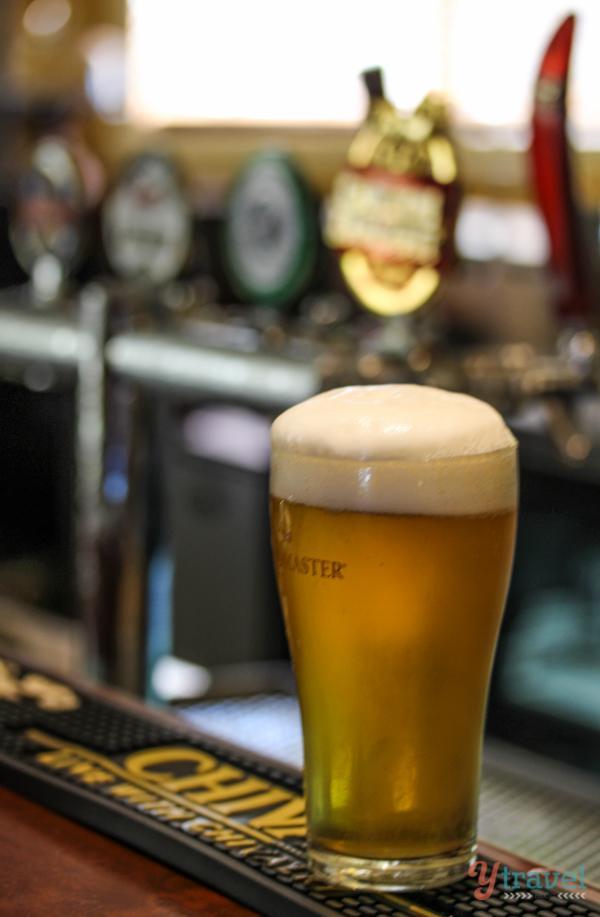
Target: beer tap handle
{"points": [[553, 178], [373, 82]]}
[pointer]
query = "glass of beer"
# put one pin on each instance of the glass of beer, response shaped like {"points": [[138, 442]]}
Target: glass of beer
{"points": [[393, 515]]}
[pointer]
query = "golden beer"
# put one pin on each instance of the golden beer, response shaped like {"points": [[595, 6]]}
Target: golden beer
{"points": [[393, 551]]}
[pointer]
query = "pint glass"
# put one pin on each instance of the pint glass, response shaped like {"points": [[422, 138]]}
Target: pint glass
{"points": [[393, 521]]}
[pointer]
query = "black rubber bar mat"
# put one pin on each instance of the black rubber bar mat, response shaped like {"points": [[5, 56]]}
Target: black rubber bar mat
{"points": [[224, 817]]}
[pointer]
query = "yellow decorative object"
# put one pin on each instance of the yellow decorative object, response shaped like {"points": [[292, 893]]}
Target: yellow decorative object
{"points": [[391, 211]]}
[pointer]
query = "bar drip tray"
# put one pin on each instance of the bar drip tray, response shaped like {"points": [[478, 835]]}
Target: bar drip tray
{"points": [[542, 812]]}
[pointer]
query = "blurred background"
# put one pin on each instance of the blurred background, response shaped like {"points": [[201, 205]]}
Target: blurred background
{"points": [[209, 212]]}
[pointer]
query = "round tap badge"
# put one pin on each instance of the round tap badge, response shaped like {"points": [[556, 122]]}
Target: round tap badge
{"points": [[392, 209], [270, 232], [147, 221], [49, 210]]}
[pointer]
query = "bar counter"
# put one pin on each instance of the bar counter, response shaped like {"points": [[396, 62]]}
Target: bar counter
{"points": [[50, 866], [202, 807]]}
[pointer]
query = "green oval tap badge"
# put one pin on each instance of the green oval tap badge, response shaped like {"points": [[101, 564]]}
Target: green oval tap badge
{"points": [[270, 232], [391, 212], [147, 221]]}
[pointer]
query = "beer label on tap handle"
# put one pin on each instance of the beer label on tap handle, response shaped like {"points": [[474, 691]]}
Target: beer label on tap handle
{"points": [[48, 216], [270, 232], [391, 212], [147, 223]]}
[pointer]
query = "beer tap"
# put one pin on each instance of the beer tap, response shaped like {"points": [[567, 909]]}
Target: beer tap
{"points": [[390, 221], [518, 375], [571, 367], [51, 216], [271, 246], [147, 234]]}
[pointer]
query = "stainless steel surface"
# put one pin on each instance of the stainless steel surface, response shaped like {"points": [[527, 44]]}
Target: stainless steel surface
{"points": [[42, 337], [89, 452], [32, 337], [178, 365], [547, 813]]}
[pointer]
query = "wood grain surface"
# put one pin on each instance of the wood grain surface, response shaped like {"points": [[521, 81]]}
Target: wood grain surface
{"points": [[53, 867]]}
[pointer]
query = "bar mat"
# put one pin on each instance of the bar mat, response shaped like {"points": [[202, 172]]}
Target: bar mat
{"points": [[223, 816]]}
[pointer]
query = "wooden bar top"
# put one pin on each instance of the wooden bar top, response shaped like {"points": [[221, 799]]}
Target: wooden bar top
{"points": [[52, 867]]}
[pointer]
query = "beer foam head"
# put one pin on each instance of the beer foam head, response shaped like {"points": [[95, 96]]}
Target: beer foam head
{"points": [[394, 448]]}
